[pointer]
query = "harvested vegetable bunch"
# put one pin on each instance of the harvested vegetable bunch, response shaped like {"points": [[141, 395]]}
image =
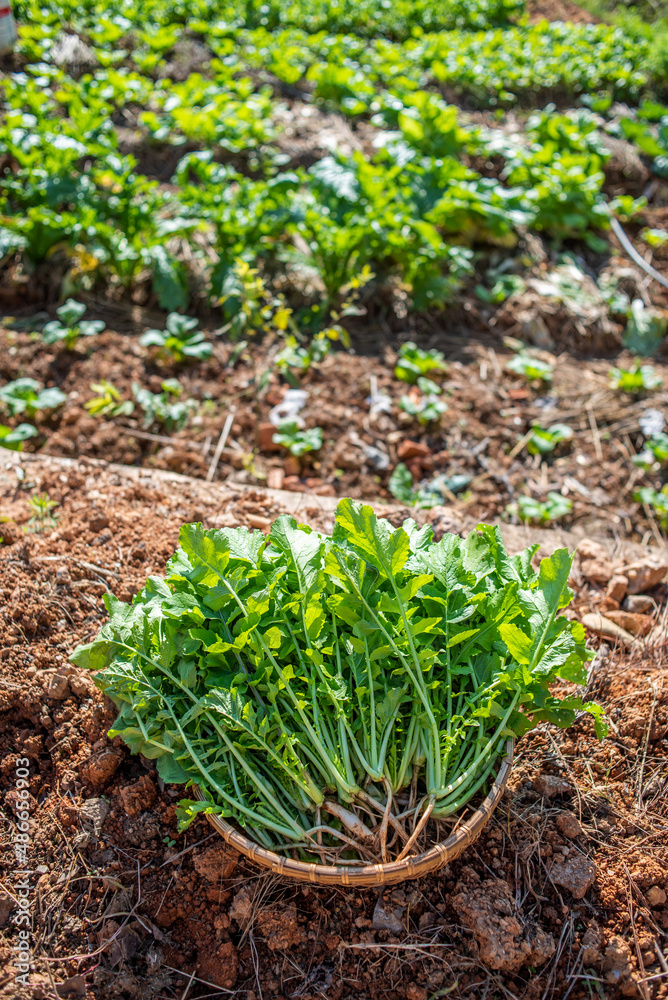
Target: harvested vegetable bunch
{"points": [[331, 694]]}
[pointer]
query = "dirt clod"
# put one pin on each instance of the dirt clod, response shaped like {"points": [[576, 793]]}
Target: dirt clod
{"points": [[216, 863], [100, 768], [575, 873], [504, 941], [138, 796], [569, 825], [93, 814], [595, 563], [280, 928], [97, 521], [219, 966], [386, 919], [551, 785], [655, 895]]}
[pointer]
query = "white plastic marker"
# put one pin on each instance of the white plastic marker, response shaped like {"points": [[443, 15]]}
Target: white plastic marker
{"points": [[8, 32]]}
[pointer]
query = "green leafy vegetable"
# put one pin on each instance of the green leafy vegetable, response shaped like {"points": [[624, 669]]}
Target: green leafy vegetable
{"points": [[297, 441], [177, 341], [541, 511], [108, 402], [25, 395], [414, 362], [645, 329], [543, 440], [69, 327], [532, 369], [305, 682], [639, 378], [13, 437], [164, 408]]}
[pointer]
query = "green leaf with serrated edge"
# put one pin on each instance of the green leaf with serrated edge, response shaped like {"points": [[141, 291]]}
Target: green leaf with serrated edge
{"points": [[373, 538]]}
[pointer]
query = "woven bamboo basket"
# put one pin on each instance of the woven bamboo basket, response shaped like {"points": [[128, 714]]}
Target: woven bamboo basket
{"points": [[381, 874]]}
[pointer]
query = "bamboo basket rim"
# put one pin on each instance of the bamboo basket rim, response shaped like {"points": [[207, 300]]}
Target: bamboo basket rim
{"points": [[379, 874]]}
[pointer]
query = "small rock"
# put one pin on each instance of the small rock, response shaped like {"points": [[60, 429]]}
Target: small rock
{"points": [[576, 873], [265, 438], [549, 785], [139, 796], [603, 626], [326, 490], [595, 563], [617, 587], [293, 484], [275, 479], [635, 624], [56, 686], [386, 919], [412, 449], [617, 960], [93, 814], [655, 896], [639, 604], [216, 863], [644, 575], [569, 825]]}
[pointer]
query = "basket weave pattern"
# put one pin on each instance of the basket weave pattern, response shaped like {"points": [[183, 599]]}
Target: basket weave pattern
{"points": [[381, 874]]}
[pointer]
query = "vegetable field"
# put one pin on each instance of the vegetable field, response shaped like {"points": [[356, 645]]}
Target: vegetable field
{"points": [[202, 209], [328, 330]]}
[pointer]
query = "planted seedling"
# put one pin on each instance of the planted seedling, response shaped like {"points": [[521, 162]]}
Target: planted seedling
{"points": [[25, 395], [425, 409], [645, 329], [639, 378], [543, 440], [414, 363], [177, 341], [654, 237], [43, 515], [298, 441], [307, 683], [528, 509], [656, 500], [164, 408], [426, 494], [654, 454], [108, 402], [68, 328], [531, 368], [503, 286], [13, 437]]}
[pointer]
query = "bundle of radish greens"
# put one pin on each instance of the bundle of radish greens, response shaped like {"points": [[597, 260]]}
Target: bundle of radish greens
{"points": [[339, 697]]}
